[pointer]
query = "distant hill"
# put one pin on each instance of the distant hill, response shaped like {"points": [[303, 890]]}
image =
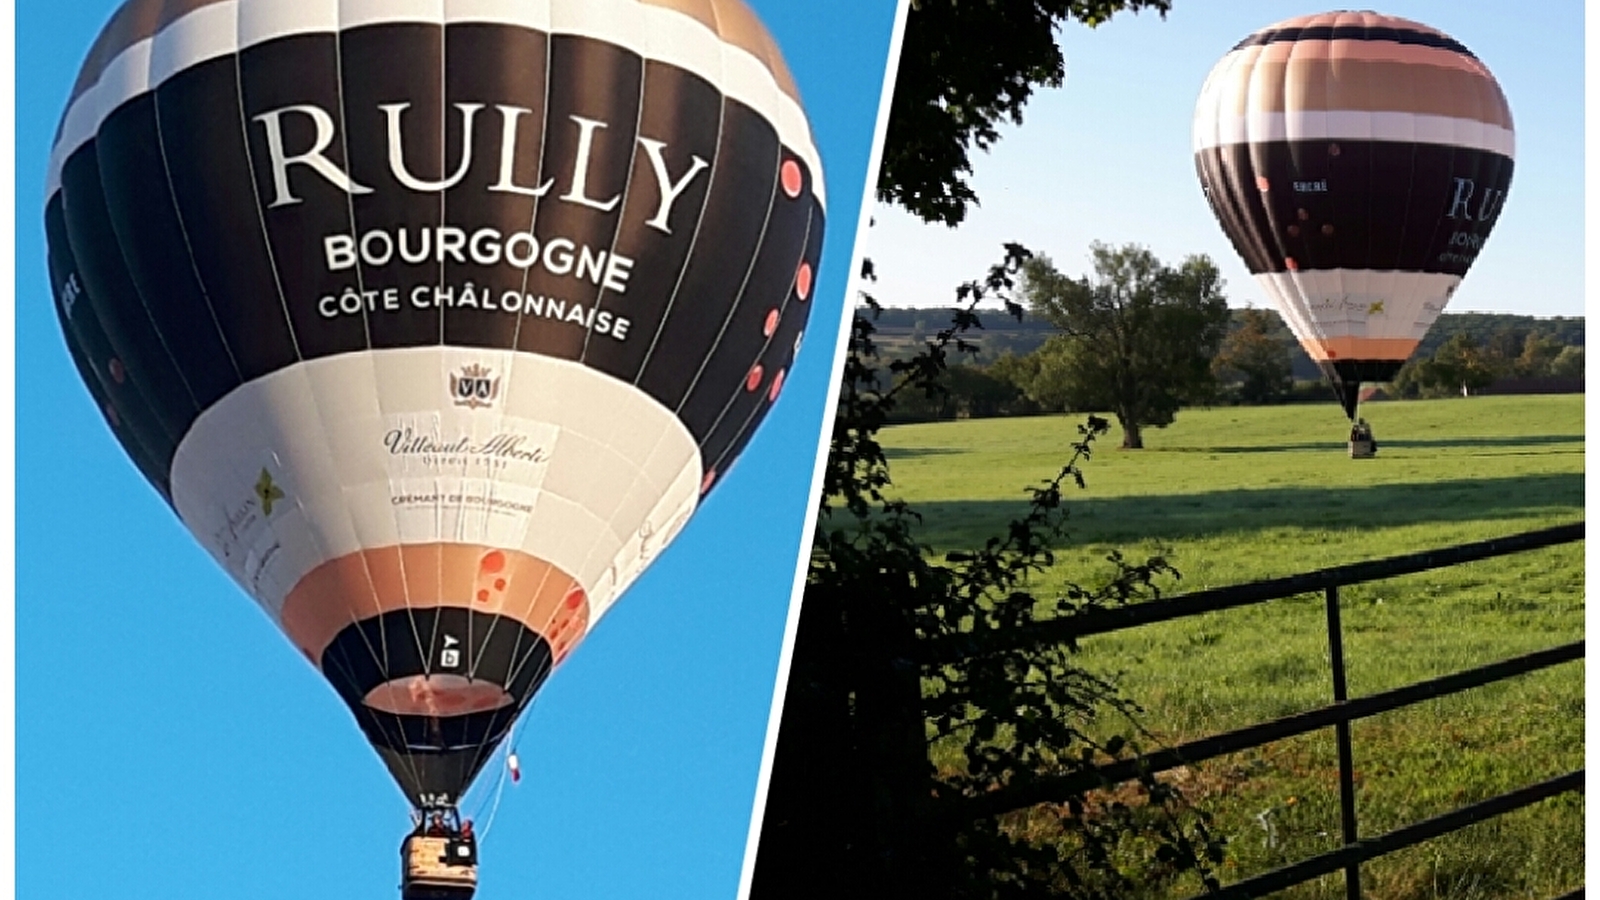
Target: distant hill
{"points": [[901, 332]]}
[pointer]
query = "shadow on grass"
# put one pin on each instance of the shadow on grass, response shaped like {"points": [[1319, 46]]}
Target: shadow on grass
{"points": [[1508, 441], [916, 452], [1182, 516]]}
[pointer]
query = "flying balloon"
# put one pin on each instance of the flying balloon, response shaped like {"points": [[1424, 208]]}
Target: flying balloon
{"points": [[434, 320], [1357, 162]]}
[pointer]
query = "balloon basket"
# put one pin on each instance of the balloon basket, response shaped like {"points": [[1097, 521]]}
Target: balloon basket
{"points": [[1363, 449], [438, 868]]}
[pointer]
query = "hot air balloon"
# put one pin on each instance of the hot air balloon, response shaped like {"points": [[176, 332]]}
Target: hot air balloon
{"points": [[1357, 162], [434, 320]]}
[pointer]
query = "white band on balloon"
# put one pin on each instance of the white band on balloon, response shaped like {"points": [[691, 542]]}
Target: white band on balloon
{"points": [[1324, 304], [208, 32], [356, 13], [126, 76], [259, 21], [550, 458], [218, 29], [1353, 125]]}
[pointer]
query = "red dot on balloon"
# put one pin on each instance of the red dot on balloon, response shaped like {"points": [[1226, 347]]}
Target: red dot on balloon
{"points": [[483, 596], [1262, 183], [492, 562], [1293, 266], [777, 385], [789, 174], [802, 281], [118, 373], [771, 324], [753, 380], [574, 598], [705, 483], [499, 584]]}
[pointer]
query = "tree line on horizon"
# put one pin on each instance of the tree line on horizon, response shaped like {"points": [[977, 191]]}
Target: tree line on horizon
{"points": [[1021, 367]]}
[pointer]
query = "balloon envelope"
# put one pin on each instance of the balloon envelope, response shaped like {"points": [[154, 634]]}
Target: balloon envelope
{"points": [[434, 321], [1357, 162]]}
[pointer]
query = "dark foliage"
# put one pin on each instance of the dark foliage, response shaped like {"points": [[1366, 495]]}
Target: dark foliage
{"points": [[855, 804], [966, 66]]}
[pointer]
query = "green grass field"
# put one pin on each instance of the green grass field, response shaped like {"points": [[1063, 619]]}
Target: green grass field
{"points": [[1237, 494]]}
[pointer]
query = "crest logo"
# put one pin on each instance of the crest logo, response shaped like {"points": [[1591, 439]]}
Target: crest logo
{"points": [[473, 387]]}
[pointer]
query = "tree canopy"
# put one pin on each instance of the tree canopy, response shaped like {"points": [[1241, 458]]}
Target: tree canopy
{"points": [[966, 66], [1255, 358], [1137, 337]]}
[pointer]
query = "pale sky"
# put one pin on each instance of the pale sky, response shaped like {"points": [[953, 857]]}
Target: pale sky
{"points": [[1107, 157]]}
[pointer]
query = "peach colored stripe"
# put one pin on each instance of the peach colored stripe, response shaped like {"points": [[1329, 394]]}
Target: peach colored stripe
{"points": [[1359, 348], [1350, 17], [1312, 85], [135, 20], [368, 583], [1342, 51]]}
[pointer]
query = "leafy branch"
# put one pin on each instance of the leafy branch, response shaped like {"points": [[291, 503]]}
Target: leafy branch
{"points": [[1009, 713]]}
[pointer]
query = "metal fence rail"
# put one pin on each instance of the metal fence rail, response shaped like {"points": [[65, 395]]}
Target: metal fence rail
{"points": [[1338, 715]]}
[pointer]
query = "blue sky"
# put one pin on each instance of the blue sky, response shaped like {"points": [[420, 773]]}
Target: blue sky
{"points": [[136, 778], [1106, 157]]}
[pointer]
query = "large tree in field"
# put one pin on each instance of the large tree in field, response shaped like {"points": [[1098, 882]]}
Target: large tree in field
{"points": [[1137, 336], [1253, 355]]}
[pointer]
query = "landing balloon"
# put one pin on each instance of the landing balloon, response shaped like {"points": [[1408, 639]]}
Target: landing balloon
{"points": [[1358, 163]]}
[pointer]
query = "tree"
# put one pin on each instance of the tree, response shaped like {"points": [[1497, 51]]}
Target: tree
{"points": [[965, 392], [966, 66], [1505, 345], [1415, 379], [1568, 363], [1463, 362], [1138, 337], [1255, 358], [1049, 376], [1017, 371], [978, 393], [1538, 353]]}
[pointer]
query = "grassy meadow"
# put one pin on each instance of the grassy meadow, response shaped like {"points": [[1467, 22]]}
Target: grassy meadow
{"points": [[1237, 494]]}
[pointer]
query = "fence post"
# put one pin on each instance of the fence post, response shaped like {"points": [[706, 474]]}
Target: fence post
{"points": [[1347, 783]]}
